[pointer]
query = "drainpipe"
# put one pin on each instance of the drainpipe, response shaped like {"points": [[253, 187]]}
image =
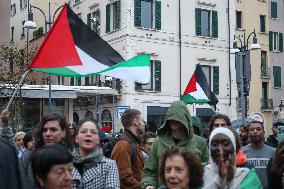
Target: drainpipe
{"points": [[179, 21], [230, 76]]}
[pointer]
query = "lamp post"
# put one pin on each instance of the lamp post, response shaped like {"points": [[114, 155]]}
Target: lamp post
{"points": [[31, 24], [243, 72]]}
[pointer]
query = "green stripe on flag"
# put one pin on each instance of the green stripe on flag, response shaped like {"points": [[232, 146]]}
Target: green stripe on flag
{"points": [[188, 99], [62, 71], [142, 60]]}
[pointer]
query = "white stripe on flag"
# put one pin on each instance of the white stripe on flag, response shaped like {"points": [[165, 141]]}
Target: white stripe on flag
{"points": [[199, 93], [90, 65]]}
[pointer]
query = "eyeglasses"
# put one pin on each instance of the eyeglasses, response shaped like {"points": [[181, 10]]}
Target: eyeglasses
{"points": [[149, 143], [220, 125]]}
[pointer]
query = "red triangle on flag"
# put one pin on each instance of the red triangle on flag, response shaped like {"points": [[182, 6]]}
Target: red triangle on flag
{"points": [[58, 39], [191, 86]]}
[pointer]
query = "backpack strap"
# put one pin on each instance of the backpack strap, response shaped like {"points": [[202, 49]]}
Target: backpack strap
{"points": [[133, 148]]}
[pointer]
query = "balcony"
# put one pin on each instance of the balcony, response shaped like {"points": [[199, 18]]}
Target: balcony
{"points": [[267, 104], [265, 72]]}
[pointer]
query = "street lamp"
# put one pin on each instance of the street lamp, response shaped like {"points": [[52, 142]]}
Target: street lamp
{"points": [[243, 72], [31, 24]]}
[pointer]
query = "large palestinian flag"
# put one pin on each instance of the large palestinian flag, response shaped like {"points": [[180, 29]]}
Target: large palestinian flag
{"points": [[198, 90], [72, 49]]}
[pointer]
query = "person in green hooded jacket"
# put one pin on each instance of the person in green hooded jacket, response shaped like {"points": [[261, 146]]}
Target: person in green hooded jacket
{"points": [[176, 131]]}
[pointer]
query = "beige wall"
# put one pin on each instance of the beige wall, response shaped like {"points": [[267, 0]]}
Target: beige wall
{"points": [[251, 11], [4, 21]]}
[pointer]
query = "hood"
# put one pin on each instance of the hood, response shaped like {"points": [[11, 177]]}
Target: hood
{"points": [[177, 112], [196, 123]]}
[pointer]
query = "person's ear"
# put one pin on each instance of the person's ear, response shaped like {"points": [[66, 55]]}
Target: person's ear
{"points": [[135, 122], [40, 181]]}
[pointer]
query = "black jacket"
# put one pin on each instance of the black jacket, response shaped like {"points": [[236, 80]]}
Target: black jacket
{"points": [[272, 141], [11, 172]]}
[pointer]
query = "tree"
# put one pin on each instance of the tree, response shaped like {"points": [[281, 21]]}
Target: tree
{"points": [[13, 63]]}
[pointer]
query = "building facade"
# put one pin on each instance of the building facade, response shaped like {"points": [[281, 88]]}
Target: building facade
{"points": [[177, 35], [249, 19], [276, 29], [4, 22]]}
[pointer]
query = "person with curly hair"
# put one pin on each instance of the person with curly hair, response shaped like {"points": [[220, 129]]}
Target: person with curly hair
{"points": [[219, 120], [180, 168]]}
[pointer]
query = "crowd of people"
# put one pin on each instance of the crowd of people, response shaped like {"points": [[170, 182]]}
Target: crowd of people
{"points": [[180, 155]]}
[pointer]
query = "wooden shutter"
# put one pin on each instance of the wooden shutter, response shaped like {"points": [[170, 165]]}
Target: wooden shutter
{"points": [[97, 15], [198, 21], [117, 14], [216, 80], [89, 16], [137, 13], [158, 15], [71, 81], [157, 75], [214, 24], [281, 42], [273, 9], [87, 80], [277, 76], [107, 18], [270, 40]]}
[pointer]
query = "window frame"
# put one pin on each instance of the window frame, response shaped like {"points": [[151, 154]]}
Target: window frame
{"points": [[152, 16], [275, 41], [262, 23], [13, 10], [239, 20], [209, 24]]}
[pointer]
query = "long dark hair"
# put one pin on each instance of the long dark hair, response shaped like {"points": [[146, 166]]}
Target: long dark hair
{"points": [[278, 160], [51, 117]]}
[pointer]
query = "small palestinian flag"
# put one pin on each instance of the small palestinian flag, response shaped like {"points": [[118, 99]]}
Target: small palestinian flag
{"points": [[198, 90], [72, 49]]}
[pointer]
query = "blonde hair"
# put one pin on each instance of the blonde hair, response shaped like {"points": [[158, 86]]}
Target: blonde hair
{"points": [[20, 134]]}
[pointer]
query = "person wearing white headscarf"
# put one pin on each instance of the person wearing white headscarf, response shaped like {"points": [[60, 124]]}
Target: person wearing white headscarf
{"points": [[222, 173]]}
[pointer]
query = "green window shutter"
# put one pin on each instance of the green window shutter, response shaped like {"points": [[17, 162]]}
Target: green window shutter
{"points": [[270, 40], [216, 80], [137, 13], [117, 14], [71, 81], [273, 9], [107, 18], [277, 76], [197, 21], [157, 75], [214, 24], [87, 80], [281, 42], [79, 81], [158, 15], [138, 86], [89, 20]]}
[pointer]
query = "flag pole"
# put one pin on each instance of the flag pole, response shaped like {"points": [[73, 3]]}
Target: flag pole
{"points": [[16, 90]]}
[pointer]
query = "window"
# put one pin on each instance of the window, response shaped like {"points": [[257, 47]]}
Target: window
{"points": [[13, 9], [60, 80], [77, 2], [238, 19], [23, 4], [212, 77], [263, 63], [277, 76], [76, 81], [93, 21], [113, 16], [262, 23], [147, 14], [155, 83], [206, 23], [275, 41], [273, 9], [12, 34], [23, 30]]}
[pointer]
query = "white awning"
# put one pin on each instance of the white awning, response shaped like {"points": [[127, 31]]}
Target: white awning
{"points": [[58, 91]]}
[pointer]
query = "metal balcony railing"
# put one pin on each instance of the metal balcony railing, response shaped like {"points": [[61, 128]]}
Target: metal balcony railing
{"points": [[265, 72], [267, 104]]}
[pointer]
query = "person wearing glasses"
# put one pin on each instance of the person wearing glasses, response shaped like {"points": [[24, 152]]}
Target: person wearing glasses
{"points": [[91, 168], [219, 120], [148, 139]]}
